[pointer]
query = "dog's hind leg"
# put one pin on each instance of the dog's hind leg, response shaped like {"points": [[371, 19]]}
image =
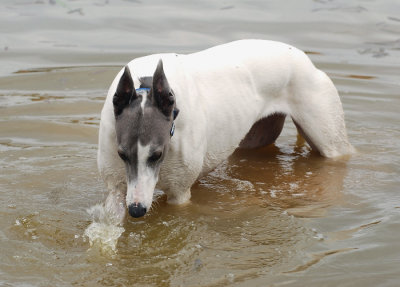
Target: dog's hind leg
{"points": [[318, 115]]}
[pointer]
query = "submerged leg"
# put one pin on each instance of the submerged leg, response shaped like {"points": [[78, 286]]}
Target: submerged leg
{"points": [[318, 115], [115, 204]]}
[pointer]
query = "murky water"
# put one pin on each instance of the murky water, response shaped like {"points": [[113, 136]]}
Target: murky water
{"points": [[278, 216]]}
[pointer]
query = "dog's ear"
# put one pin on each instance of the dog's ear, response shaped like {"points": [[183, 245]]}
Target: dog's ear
{"points": [[125, 92], [163, 96]]}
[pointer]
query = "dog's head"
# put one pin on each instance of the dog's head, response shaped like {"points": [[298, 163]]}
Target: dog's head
{"points": [[144, 126]]}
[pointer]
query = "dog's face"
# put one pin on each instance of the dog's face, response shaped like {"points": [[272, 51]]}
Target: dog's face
{"points": [[144, 119]]}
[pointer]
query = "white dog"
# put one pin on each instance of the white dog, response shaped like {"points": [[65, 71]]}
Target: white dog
{"points": [[233, 95]]}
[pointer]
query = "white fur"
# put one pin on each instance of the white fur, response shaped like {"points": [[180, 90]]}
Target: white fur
{"points": [[221, 92], [143, 102], [141, 190]]}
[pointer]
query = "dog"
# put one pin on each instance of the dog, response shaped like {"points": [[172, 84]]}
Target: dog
{"points": [[169, 119]]}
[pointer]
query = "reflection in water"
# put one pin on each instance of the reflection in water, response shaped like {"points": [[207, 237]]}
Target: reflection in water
{"points": [[301, 182], [316, 258], [259, 215], [238, 224]]}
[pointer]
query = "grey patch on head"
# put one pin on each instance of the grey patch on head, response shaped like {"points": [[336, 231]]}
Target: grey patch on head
{"points": [[150, 125], [154, 127], [146, 82], [127, 138]]}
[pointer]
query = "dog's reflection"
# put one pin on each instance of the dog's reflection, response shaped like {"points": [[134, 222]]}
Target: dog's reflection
{"points": [[291, 178]]}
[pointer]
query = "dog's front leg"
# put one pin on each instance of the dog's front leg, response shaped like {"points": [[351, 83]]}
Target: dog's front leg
{"points": [[177, 178], [174, 197], [115, 204]]}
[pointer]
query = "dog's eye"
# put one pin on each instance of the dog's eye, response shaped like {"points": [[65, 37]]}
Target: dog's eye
{"points": [[155, 156], [122, 155]]}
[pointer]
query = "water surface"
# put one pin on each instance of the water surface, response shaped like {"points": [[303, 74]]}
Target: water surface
{"points": [[280, 216]]}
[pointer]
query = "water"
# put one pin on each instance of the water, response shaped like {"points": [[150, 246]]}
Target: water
{"points": [[276, 217]]}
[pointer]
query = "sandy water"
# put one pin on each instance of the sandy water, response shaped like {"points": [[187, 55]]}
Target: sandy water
{"points": [[280, 216]]}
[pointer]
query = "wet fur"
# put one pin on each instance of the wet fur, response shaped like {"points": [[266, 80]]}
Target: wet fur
{"points": [[230, 96]]}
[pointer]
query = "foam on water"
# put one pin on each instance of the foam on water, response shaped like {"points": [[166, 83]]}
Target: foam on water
{"points": [[103, 232]]}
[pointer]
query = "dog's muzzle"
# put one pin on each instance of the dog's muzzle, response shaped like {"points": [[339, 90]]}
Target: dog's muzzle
{"points": [[137, 210]]}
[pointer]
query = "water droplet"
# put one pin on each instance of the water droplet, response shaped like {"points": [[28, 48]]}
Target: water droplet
{"points": [[231, 277]]}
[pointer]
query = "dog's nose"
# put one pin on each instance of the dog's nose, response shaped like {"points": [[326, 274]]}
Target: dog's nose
{"points": [[137, 210]]}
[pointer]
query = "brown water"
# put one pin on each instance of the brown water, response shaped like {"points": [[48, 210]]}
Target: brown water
{"points": [[281, 216]]}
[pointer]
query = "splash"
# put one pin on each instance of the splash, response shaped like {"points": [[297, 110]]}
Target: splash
{"points": [[103, 232]]}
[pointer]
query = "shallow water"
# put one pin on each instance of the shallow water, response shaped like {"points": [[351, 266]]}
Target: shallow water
{"points": [[277, 216]]}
